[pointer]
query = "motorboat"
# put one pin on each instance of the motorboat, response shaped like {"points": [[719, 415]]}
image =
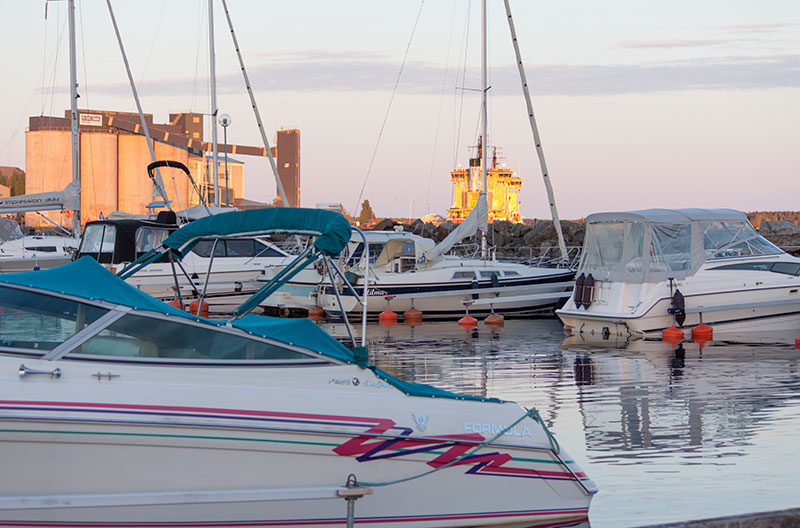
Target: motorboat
{"points": [[644, 271], [20, 252], [120, 410], [228, 269], [408, 271]]}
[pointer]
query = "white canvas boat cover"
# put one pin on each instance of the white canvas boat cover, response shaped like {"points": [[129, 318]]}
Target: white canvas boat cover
{"points": [[9, 230], [655, 245], [46, 201], [477, 219]]}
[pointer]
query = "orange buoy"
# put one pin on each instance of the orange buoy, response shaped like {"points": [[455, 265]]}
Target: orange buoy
{"points": [[195, 306], [494, 319], [702, 332], [317, 313], [412, 314], [673, 334], [412, 322], [387, 323], [468, 320], [387, 315], [797, 342], [175, 303]]}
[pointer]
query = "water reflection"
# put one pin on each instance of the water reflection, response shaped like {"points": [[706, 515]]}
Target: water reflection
{"points": [[669, 432]]}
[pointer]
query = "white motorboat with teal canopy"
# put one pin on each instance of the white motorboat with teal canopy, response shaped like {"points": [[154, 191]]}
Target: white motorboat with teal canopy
{"points": [[643, 271], [118, 410]]}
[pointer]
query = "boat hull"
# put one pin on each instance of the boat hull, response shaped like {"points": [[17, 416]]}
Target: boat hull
{"points": [[152, 446]]}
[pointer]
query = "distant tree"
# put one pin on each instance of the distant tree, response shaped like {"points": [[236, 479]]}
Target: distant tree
{"points": [[367, 213], [14, 181]]}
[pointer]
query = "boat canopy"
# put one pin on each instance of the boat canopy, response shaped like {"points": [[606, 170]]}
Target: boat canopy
{"points": [[653, 245], [407, 245], [86, 279], [331, 229]]}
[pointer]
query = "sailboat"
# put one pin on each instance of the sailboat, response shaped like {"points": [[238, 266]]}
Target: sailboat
{"points": [[409, 271]]}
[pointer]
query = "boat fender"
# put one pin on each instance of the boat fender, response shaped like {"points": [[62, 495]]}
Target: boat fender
{"points": [[577, 293], [678, 308], [475, 286], [588, 291], [495, 280]]}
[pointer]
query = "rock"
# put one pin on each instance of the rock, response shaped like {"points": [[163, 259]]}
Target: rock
{"points": [[387, 224]]}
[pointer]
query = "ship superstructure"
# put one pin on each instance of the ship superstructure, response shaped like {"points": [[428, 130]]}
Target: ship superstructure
{"points": [[502, 193]]}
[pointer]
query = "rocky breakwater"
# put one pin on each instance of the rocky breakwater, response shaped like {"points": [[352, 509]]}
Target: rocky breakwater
{"points": [[529, 241], [537, 239]]}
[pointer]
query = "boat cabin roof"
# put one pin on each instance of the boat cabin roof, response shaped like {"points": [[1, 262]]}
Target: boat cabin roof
{"points": [[669, 216]]}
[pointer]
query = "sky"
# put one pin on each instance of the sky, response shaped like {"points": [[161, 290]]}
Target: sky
{"points": [[638, 104]]}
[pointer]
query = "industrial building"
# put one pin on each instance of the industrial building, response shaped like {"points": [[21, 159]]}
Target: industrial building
{"points": [[502, 190], [114, 156]]}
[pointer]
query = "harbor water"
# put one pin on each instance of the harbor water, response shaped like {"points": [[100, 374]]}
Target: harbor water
{"points": [[668, 432]]}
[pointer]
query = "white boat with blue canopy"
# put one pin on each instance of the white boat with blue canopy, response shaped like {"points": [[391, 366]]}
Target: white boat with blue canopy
{"points": [[644, 271], [119, 409]]}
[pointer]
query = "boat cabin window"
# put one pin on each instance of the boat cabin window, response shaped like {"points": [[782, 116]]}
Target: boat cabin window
{"points": [[135, 336], [148, 238], [241, 247], [44, 249], [511, 273], [786, 268], [461, 275], [39, 322], [98, 241]]}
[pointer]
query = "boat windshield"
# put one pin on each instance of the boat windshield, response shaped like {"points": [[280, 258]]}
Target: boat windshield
{"points": [[39, 322], [136, 336], [734, 239]]}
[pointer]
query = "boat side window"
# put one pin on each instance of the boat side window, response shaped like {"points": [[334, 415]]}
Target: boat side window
{"points": [[98, 241], [511, 273], [203, 248], [670, 247], [148, 238], [788, 268], [463, 275], [135, 336], [43, 249], [488, 274], [240, 248], [264, 250], [41, 322]]}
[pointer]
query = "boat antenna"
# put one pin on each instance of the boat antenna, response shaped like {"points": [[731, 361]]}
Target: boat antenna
{"points": [[158, 183], [536, 139], [278, 182], [73, 114]]}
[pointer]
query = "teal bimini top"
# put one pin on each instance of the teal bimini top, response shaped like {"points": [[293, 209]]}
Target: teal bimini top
{"points": [[87, 279], [331, 229]]}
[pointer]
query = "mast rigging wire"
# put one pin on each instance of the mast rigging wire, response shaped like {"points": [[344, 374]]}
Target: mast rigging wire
{"points": [[388, 109]]}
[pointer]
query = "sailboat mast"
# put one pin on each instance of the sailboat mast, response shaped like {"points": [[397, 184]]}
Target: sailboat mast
{"points": [[536, 139], [76, 153], [213, 74], [278, 183], [484, 118]]}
